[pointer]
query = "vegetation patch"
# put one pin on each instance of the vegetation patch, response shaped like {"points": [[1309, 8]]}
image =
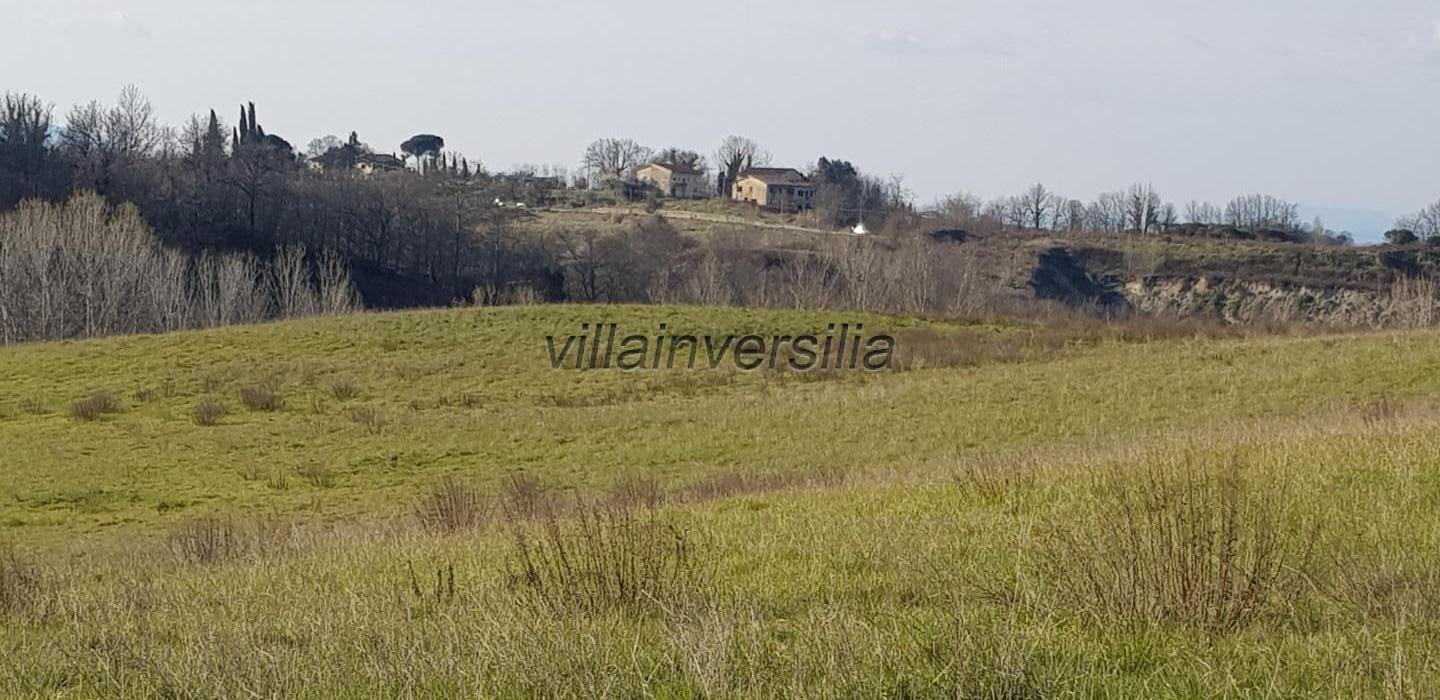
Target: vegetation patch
{"points": [[94, 406]]}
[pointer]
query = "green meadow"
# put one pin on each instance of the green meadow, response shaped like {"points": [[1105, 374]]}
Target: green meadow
{"points": [[418, 505]]}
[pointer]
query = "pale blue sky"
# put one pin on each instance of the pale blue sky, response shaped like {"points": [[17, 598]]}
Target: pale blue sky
{"points": [[1327, 102]]}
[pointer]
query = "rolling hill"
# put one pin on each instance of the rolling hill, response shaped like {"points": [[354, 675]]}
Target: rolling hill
{"points": [[417, 504]]}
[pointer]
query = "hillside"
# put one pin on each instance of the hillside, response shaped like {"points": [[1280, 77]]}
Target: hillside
{"points": [[1178, 274], [1016, 510]]}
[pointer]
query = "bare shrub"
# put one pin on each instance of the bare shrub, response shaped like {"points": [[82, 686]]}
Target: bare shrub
{"points": [[208, 411], [92, 407], [264, 396], [214, 539], [603, 557], [1412, 303], [1182, 543], [523, 497], [344, 388], [19, 583], [637, 491], [205, 540], [451, 507]]}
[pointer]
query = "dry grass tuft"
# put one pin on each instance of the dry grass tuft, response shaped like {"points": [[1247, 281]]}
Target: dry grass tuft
{"points": [[19, 583], [265, 396], [600, 556], [637, 492], [278, 480], [320, 476], [523, 497], [208, 411], [451, 507], [741, 484], [216, 539], [92, 407], [344, 388], [205, 540], [1183, 543]]}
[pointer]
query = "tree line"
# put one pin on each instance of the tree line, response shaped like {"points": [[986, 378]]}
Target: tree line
{"points": [[86, 268], [422, 235], [225, 208]]}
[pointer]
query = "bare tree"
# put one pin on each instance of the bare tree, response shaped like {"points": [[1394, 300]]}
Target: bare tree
{"points": [[1039, 207], [1204, 213], [1108, 213], [1144, 209], [735, 155], [294, 291], [1262, 211], [614, 159], [710, 284], [24, 147], [321, 146], [1425, 224], [1072, 216], [680, 157], [106, 143]]}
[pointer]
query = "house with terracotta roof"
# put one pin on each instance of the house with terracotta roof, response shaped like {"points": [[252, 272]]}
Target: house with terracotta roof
{"points": [[781, 189], [672, 180]]}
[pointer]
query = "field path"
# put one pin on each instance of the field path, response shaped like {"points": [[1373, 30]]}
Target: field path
{"points": [[698, 216]]}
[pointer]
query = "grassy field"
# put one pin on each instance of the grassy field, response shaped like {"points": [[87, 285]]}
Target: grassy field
{"points": [[417, 505]]}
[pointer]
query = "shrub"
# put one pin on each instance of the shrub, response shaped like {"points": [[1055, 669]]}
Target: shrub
{"points": [[605, 557], [1184, 543], [450, 507], [262, 397], [215, 539], [92, 407], [207, 411], [19, 583], [344, 389], [523, 497], [205, 540]]}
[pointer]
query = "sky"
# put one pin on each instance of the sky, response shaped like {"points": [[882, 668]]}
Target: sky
{"points": [[1330, 103]]}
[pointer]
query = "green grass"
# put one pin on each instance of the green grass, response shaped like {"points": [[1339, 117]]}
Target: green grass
{"points": [[915, 533]]}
